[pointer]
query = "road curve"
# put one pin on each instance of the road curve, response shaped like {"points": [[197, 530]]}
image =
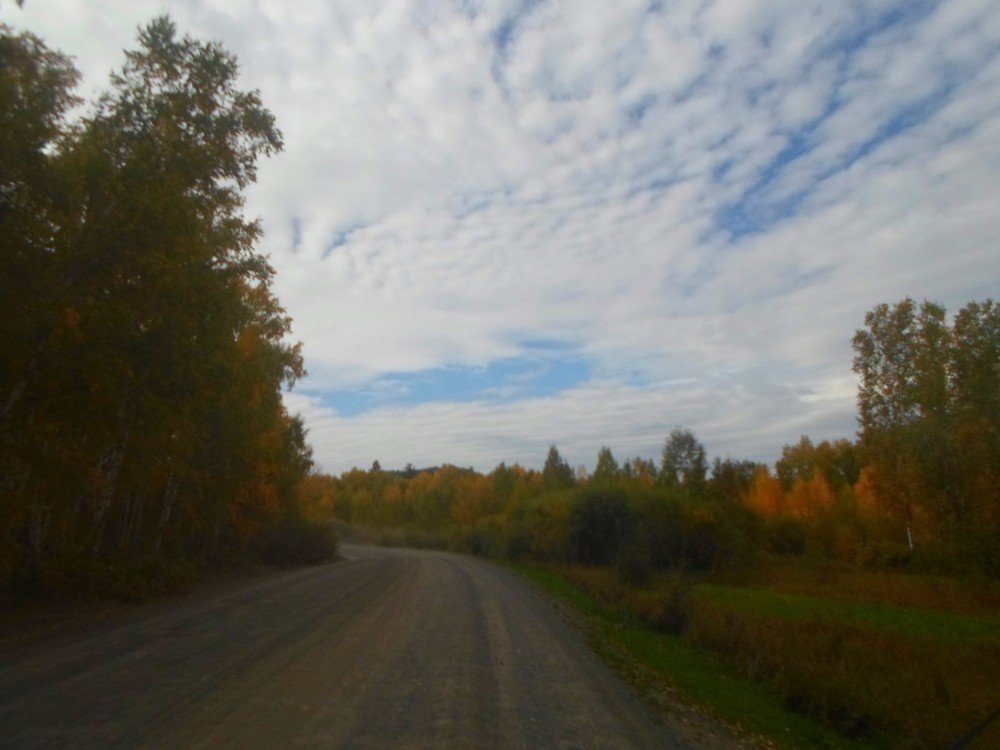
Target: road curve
{"points": [[388, 648]]}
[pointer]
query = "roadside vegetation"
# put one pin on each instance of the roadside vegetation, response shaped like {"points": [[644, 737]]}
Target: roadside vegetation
{"points": [[855, 582], [663, 665], [142, 431]]}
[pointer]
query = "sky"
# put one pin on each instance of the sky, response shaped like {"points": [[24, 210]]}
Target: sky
{"points": [[503, 224]]}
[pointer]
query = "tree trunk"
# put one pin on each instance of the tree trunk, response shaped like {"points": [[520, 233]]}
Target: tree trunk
{"points": [[39, 517], [169, 494], [109, 466], [19, 388]]}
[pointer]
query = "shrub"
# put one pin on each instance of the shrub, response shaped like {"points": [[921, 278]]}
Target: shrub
{"points": [[688, 533], [786, 536], [671, 608], [549, 522], [664, 522], [122, 577], [712, 539], [863, 681], [478, 540], [879, 553], [634, 559], [296, 541], [600, 522], [517, 542]]}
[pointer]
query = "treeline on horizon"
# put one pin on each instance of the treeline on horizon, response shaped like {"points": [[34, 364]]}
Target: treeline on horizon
{"points": [[919, 488], [142, 431]]}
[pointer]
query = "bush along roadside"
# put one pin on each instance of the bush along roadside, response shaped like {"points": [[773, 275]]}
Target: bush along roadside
{"points": [[297, 541], [799, 674], [870, 680], [673, 673]]}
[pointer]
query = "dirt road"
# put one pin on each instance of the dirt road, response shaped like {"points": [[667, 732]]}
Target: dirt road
{"points": [[388, 648]]}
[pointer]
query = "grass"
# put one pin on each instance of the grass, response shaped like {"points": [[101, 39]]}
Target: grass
{"points": [[907, 621], [800, 669], [559, 587], [706, 681], [967, 596], [698, 677], [884, 683]]}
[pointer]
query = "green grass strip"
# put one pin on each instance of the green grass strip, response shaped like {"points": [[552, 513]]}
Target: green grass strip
{"points": [[560, 587], [699, 677], [908, 621]]}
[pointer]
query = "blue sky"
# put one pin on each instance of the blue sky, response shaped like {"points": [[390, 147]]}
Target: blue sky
{"points": [[502, 224], [500, 381]]}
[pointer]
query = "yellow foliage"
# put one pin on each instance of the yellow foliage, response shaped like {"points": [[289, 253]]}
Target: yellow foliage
{"points": [[475, 497]]}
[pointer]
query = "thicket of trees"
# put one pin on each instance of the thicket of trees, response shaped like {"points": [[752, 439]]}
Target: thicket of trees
{"points": [[920, 484], [141, 420], [929, 402]]}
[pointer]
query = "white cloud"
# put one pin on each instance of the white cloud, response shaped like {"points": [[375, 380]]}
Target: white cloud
{"points": [[448, 201], [631, 420]]}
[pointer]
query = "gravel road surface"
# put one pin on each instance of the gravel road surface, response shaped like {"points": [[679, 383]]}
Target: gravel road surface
{"points": [[387, 648]]}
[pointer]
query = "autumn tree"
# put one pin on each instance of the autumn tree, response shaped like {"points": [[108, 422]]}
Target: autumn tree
{"points": [[974, 401], [684, 463], [641, 471], [607, 470], [839, 462], [557, 472], [731, 479], [927, 400], [504, 482], [898, 358], [36, 91], [140, 404], [766, 495]]}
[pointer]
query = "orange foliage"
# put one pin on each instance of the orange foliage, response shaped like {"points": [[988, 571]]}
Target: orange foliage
{"points": [[766, 496], [865, 494], [810, 498]]}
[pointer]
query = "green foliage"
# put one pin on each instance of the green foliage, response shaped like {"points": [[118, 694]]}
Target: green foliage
{"points": [[600, 524], [731, 479], [930, 414], [556, 473], [786, 535], [908, 621], [607, 471], [823, 668], [684, 464], [839, 462]]}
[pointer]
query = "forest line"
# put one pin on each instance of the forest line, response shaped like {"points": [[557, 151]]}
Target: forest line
{"points": [[918, 487]]}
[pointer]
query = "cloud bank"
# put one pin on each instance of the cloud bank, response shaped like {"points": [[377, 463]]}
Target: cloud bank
{"points": [[499, 225]]}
